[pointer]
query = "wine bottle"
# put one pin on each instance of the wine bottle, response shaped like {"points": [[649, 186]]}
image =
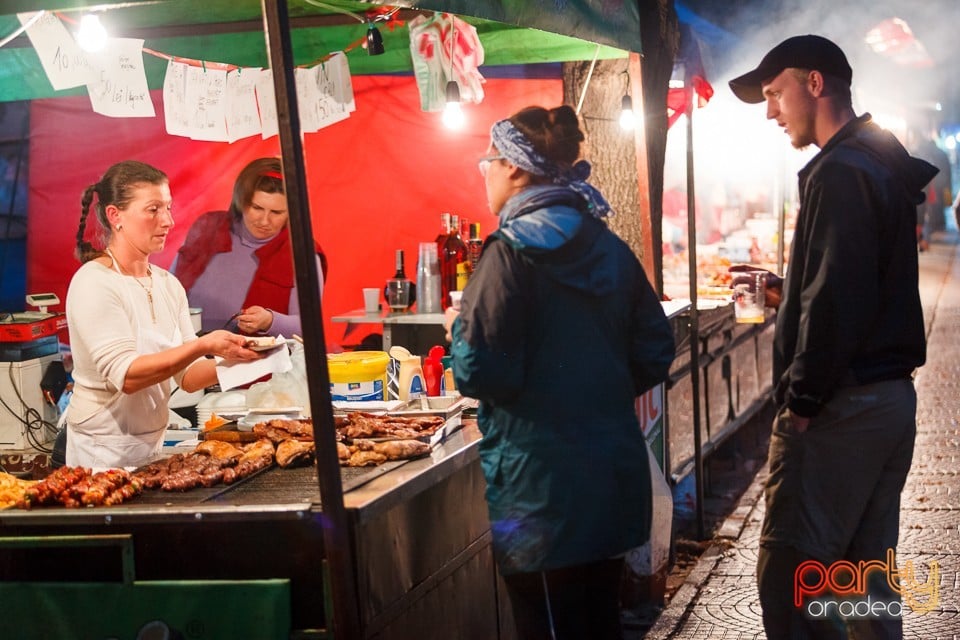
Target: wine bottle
{"points": [[444, 232], [441, 239], [454, 253]]}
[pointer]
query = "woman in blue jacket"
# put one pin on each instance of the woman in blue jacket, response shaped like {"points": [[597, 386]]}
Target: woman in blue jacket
{"points": [[559, 331]]}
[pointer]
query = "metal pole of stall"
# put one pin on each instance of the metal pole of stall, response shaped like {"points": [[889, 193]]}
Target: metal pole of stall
{"points": [[694, 317], [337, 548]]}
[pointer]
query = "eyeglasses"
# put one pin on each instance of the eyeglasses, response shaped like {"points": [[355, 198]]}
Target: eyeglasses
{"points": [[484, 164]]}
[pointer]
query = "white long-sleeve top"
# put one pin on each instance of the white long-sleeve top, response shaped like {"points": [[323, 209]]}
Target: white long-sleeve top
{"points": [[110, 325]]}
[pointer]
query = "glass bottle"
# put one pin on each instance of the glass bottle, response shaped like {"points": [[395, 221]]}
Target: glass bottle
{"points": [[444, 231], [441, 240], [454, 254], [474, 245]]}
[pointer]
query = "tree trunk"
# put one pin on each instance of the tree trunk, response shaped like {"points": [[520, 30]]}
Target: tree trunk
{"points": [[609, 149], [637, 199]]}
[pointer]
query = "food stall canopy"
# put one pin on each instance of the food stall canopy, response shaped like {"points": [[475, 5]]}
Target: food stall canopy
{"points": [[231, 32]]}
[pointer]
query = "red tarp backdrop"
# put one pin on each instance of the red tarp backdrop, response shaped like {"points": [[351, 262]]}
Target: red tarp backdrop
{"points": [[377, 181]]}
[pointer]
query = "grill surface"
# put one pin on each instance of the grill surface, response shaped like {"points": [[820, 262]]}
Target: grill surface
{"points": [[267, 486]]}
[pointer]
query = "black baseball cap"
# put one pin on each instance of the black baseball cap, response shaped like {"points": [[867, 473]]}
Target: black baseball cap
{"points": [[799, 52]]}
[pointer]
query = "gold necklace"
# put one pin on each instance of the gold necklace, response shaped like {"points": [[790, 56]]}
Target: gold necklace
{"points": [[146, 289]]}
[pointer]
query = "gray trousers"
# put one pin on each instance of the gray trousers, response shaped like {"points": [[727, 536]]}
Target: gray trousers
{"points": [[834, 494]]}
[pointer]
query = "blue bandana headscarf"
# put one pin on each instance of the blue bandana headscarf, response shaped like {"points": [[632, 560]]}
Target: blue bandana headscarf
{"points": [[515, 147]]}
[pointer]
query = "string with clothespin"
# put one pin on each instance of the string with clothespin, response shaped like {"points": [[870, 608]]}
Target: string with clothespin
{"points": [[383, 14]]}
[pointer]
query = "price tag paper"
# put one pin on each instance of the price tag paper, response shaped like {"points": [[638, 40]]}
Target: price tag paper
{"points": [[120, 90], [63, 61]]}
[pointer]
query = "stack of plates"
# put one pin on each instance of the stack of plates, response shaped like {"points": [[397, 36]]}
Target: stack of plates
{"points": [[229, 405]]}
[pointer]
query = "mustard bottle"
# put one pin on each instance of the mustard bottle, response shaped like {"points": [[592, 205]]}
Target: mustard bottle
{"points": [[410, 383]]}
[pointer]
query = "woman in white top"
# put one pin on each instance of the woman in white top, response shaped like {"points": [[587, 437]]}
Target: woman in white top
{"points": [[129, 324]]}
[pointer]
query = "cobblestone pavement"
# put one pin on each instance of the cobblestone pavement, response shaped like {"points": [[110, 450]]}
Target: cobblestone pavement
{"points": [[719, 600]]}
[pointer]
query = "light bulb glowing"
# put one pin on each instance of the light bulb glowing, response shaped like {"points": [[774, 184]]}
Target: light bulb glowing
{"points": [[453, 117], [92, 36], [628, 119]]}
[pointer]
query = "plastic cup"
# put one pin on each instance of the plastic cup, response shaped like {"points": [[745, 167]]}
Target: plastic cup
{"points": [[749, 295], [428, 279], [371, 300], [455, 299]]}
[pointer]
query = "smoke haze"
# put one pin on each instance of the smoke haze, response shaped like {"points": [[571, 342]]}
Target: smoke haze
{"points": [[879, 83]]}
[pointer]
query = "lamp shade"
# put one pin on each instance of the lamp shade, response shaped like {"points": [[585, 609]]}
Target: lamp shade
{"points": [[374, 40]]}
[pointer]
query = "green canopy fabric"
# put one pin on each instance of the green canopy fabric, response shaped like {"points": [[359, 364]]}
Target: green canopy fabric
{"points": [[230, 31]]}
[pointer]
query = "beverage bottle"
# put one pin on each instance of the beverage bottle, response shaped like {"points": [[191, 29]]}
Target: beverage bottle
{"points": [[433, 372], [410, 384], [454, 254], [428, 280], [441, 239], [463, 275], [444, 230], [399, 288], [474, 245], [449, 384]]}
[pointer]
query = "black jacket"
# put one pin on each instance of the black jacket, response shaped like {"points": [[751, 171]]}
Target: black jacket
{"points": [[851, 311]]}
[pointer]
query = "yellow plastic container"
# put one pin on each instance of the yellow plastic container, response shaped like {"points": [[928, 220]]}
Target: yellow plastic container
{"points": [[358, 375]]}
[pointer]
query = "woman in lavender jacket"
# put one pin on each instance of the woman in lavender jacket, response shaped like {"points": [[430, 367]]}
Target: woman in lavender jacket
{"points": [[237, 265]]}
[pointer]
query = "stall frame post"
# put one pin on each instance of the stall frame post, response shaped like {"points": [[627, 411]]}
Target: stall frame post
{"points": [[339, 551], [694, 317]]}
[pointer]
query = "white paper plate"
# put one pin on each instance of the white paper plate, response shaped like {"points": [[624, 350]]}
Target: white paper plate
{"points": [[266, 347]]}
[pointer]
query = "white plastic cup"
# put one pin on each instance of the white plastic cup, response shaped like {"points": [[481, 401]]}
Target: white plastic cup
{"points": [[371, 300], [749, 296], [455, 297]]}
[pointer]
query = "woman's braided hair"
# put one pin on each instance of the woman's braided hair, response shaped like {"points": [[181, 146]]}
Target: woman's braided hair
{"points": [[115, 187]]}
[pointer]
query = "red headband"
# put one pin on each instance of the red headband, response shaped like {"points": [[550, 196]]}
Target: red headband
{"points": [[272, 174]]}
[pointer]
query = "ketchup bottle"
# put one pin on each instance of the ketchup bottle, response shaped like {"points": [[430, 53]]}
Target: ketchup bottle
{"points": [[433, 371]]}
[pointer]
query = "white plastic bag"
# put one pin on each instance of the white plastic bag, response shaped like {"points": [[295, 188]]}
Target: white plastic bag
{"points": [[283, 390], [653, 556]]}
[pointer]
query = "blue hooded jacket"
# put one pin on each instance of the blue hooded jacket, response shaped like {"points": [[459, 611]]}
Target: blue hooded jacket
{"points": [[559, 332]]}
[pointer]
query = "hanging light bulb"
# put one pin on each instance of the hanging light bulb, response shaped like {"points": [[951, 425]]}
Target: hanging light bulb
{"points": [[91, 36], [628, 119], [452, 113], [374, 40]]}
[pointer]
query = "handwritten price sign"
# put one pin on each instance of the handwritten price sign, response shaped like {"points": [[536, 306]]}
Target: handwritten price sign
{"points": [[63, 61], [120, 89]]}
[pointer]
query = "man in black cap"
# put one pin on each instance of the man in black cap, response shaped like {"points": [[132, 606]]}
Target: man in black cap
{"points": [[849, 335]]}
